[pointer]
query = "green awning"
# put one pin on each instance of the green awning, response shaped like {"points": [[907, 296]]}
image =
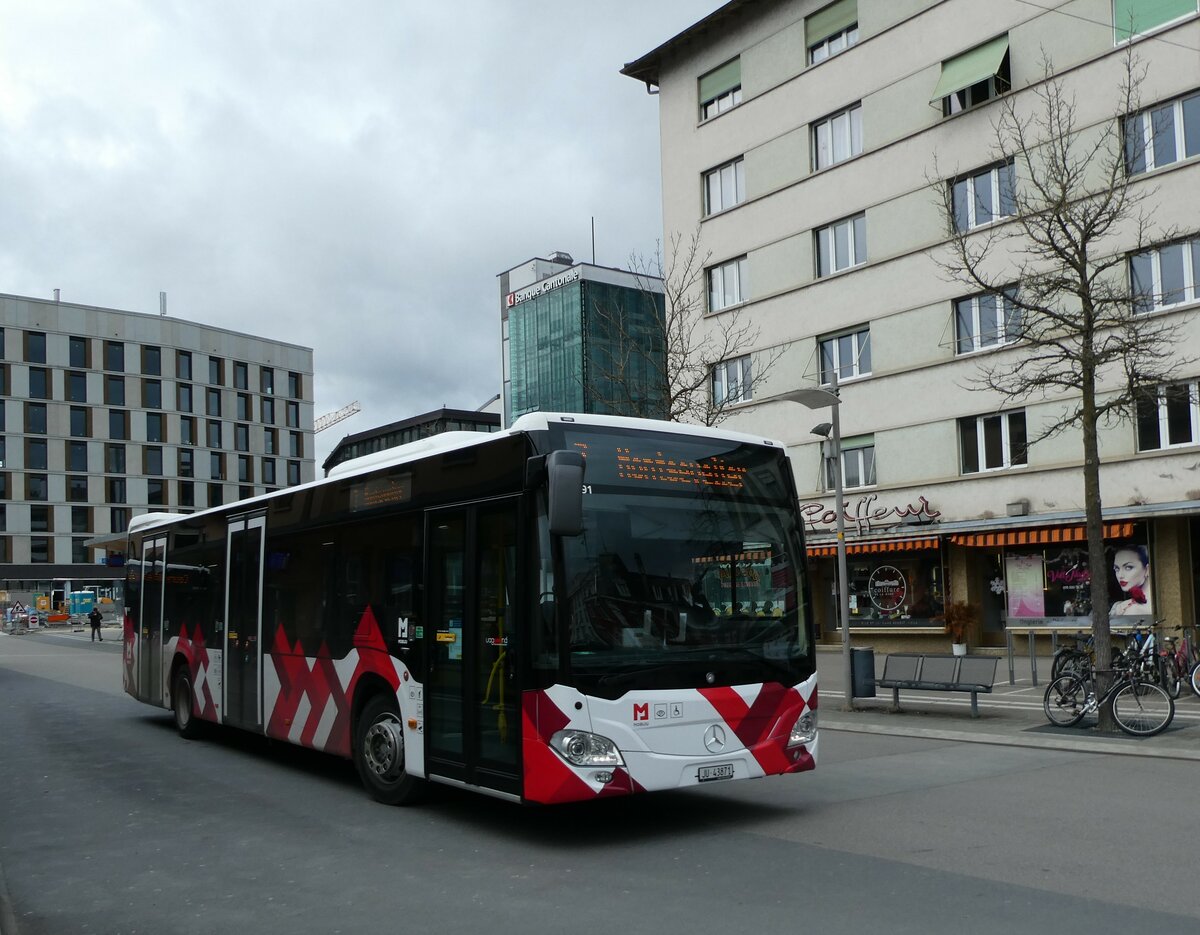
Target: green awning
{"points": [[720, 80], [1134, 17], [830, 21], [979, 64]]}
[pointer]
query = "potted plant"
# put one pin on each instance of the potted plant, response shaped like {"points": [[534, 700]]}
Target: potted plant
{"points": [[959, 617]]}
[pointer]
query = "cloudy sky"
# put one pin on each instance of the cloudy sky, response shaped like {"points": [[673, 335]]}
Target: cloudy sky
{"points": [[349, 175]]}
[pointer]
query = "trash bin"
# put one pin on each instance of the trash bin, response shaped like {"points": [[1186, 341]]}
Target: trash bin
{"points": [[862, 671]]}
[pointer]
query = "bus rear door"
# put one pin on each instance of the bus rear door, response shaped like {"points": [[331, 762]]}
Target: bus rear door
{"points": [[243, 621], [149, 650], [472, 699]]}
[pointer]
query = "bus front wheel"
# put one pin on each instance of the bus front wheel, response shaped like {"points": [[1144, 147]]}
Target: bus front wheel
{"points": [[379, 753]]}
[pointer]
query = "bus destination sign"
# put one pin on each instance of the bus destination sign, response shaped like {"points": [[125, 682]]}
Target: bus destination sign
{"points": [[378, 492], [658, 466]]}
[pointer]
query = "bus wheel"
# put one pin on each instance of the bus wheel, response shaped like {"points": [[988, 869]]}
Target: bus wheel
{"points": [[186, 721], [379, 753]]}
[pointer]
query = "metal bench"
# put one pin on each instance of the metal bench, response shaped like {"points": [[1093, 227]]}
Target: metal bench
{"points": [[944, 673]]}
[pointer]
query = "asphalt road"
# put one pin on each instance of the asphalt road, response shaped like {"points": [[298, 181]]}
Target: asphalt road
{"points": [[110, 823]]}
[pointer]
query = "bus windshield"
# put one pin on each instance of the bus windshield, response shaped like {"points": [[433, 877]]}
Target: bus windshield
{"points": [[689, 571]]}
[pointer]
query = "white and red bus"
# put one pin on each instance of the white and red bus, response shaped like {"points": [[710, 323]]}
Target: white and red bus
{"points": [[578, 606]]}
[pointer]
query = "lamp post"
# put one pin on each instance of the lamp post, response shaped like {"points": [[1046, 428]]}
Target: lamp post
{"points": [[831, 448]]}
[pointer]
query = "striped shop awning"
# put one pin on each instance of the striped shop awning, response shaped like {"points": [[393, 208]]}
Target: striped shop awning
{"points": [[877, 545], [1046, 535]]}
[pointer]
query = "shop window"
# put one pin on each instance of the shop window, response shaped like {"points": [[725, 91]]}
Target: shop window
{"points": [[992, 442], [895, 589]]}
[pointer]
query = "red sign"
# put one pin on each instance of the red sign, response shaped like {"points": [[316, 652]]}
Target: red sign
{"points": [[641, 712]]}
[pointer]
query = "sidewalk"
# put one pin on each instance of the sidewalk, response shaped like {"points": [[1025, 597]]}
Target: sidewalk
{"points": [[1010, 716]]}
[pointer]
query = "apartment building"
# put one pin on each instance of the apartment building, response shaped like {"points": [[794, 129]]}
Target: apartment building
{"points": [[105, 414], [813, 145]]}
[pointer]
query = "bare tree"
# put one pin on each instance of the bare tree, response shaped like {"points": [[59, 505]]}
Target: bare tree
{"points": [[666, 371], [1058, 273]]}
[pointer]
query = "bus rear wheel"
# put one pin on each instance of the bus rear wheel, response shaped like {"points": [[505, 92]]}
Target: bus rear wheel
{"points": [[379, 753], [186, 721]]}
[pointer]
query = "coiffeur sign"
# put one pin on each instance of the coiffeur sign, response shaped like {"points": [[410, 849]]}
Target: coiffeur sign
{"points": [[865, 516]]}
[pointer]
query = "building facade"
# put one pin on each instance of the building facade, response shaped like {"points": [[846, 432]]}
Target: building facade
{"points": [[815, 146], [399, 433], [105, 414], [576, 337]]}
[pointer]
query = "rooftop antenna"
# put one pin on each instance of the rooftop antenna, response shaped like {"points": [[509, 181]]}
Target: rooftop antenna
{"points": [[162, 304], [593, 240]]}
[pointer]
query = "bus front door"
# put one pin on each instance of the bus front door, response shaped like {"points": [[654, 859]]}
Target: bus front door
{"points": [[150, 629], [472, 698], [243, 621]]}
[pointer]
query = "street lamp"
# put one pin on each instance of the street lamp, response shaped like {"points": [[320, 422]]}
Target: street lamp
{"points": [[831, 448]]}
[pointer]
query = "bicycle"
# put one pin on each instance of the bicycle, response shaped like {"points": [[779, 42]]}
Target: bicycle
{"points": [[1074, 660], [1140, 708], [1148, 661]]}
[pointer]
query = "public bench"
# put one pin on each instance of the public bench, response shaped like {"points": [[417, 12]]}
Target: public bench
{"points": [[933, 672]]}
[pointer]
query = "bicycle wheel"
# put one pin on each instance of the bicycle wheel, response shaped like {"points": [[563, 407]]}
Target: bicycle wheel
{"points": [[1194, 679], [1069, 662], [1172, 678], [1065, 700], [1142, 709]]}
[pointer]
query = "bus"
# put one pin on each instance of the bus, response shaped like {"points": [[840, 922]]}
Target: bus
{"points": [[575, 607]]}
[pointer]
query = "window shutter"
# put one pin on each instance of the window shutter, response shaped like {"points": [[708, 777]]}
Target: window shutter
{"points": [[830, 21], [720, 80], [1134, 17], [978, 64]]}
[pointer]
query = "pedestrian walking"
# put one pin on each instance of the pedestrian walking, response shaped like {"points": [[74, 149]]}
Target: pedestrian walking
{"points": [[95, 618]]}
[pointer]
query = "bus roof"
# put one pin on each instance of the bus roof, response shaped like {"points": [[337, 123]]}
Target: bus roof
{"points": [[438, 444]]}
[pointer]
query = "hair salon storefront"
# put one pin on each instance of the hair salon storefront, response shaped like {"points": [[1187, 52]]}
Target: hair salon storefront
{"points": [[904, 564]]}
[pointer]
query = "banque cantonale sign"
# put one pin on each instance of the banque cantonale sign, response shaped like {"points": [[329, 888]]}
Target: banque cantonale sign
{"points": [[546, 285], [864, 516]]}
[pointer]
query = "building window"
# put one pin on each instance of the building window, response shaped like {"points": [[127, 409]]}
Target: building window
{"points": [[114, 459], [242, 403], [214, 433], [858, 463], [271, 441], [187, 493], [77, 456], [1135, 17], [212, 404], [183, 365], [183, 397], [114, 391], [831, 30], [118, 423], [293, 473], [39, 519], [294, 384], [40, 550], [993, 442], [76, 386], [77, 352], [187, 430], [152, 460], [81, 519], [983, 321], [77, 489], [241, 375], [36, 457], [154, 427], [848, 355], [266, 380], [1159, 136], [81, 422], [725, 186], [156, 492], [35, 347], [1168, 417], [216, 465], [292, 414], [842, 245], [39, 383], [721, 89], [115, 489], [79, 551], [983, 197], [114, 356], [37, 487], [295, 445], [728, 284], [241, 437], [267, 409], [214, 495], [837, 137], [151, 361], [118, 519], [1165, 276], [268, 471], [245, 469], [186, 463], [973, 78], [152, 394], [732, 381], [35, 418]]}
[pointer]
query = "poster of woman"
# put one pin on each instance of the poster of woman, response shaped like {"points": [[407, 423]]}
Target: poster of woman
{"points": [[1129, 585]]}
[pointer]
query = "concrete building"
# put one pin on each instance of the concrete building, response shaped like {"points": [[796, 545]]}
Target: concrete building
{"points": [[410, 430], [105, 414], [811, 144], [576, 337]]}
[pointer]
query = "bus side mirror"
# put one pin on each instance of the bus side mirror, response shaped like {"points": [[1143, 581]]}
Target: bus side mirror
{"points": [[565, 485]]}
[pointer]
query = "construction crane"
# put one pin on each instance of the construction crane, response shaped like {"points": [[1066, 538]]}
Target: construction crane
{"points": [[333, 418]]}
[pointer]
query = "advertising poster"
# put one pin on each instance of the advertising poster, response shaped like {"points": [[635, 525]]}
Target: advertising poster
{"points": [[1025, 582], [1129, 580]]}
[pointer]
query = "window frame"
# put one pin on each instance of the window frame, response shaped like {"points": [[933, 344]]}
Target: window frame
{"points": [[1189, 289], [965, 212], [722, 388], [850, 113], [1162, 416], [826, 236], [1011, 457], [738, 177], [1007, 322], [739, 265], [862, 347]]}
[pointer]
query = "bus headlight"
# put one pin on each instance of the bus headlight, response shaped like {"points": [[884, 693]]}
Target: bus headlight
{"points": [[804, 731], [584, 749]]}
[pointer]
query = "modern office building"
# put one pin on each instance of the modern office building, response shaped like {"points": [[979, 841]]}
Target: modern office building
{"points": [[813, 145], [105, 414], [410, 430], [576, 337]]}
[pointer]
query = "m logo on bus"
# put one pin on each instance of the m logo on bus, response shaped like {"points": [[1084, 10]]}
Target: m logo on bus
{"points": [[641, 712]]}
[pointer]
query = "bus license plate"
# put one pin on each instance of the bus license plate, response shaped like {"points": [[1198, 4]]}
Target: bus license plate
{"points": [[711, 773]]}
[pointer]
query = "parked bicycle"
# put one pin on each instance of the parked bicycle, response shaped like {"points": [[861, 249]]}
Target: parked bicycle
{"points": [[1140, 708], [1147, 657]]}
